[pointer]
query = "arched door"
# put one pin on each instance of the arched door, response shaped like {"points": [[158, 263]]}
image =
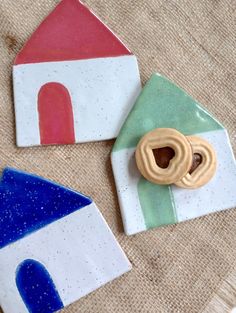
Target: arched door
{"points": [[56, 122], [36, 288]]}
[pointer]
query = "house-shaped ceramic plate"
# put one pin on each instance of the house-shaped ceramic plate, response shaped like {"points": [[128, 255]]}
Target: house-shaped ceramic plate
{"points": [[74, 80], [145, 205], [55, 246]]}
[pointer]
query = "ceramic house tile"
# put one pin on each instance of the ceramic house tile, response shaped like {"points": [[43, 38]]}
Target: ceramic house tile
{"points": [[74, 80], [55, 246], [145, 205]]}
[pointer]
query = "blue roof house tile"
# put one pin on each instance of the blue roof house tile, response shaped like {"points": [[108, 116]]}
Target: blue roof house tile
{"points": [[55, 246]]}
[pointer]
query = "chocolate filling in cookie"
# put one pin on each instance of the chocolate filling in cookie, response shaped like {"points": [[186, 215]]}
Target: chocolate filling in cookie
{"points": [[197, 160], [163, 156]]}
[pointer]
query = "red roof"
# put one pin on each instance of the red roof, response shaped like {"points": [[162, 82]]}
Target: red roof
{"points": [[70, 32]]}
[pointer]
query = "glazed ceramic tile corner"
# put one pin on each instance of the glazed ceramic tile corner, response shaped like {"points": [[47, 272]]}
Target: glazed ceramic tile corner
{"points": [[145, 205], [76, 251], [219, 193], [74, 80]]}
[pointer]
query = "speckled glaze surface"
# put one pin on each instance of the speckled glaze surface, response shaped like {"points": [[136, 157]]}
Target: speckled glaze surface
{"points": [[145, 205], [55, 245], [74, 57]]}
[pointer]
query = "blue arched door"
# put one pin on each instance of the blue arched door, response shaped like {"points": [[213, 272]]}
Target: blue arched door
{"points": [[36, 288]]}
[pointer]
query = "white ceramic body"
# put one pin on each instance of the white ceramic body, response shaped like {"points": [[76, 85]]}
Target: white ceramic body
{"points": [[219, 194], [79, 251], [102, 92]]}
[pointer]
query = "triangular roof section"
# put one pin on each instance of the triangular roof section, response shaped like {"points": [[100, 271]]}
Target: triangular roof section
{"points": [[71, 32], [29, 202], [162, 104]]}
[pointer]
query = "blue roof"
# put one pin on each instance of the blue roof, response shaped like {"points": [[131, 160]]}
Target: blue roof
{"points": [[29, 202]]}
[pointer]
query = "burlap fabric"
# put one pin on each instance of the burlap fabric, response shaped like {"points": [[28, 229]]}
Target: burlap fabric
{"points": [[185, 268]]}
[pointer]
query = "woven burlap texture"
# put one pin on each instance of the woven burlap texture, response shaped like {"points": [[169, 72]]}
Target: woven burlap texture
{"points": [[180, 268]]}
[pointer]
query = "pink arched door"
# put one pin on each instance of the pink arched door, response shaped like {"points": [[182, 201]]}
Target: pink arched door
{"points": [[56, 122]]}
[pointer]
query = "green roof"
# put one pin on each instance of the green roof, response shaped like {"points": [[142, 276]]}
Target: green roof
{"points": [[165, 105]]}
